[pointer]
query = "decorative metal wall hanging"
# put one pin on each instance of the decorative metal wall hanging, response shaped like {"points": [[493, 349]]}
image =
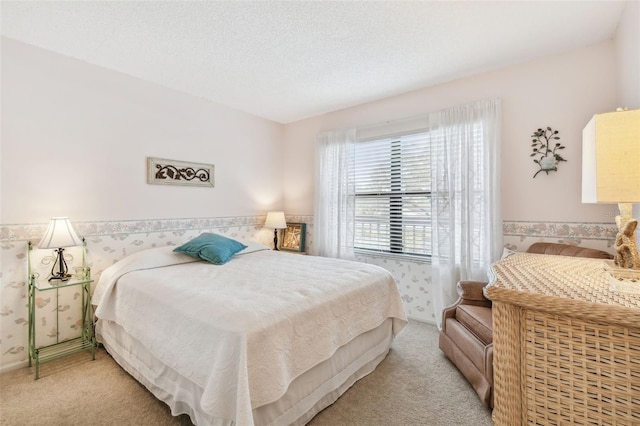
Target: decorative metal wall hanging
{"points": [[545, 150], [172, 172]]}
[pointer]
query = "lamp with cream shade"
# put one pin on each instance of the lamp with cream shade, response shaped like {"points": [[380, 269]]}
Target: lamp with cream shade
{"points": [[60, 234], [275, 220], [611, 174]]}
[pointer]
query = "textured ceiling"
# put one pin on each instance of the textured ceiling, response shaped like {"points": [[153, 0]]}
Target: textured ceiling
{"points": [[289, 60]]}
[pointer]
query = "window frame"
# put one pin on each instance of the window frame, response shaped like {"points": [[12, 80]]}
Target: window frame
{"points": [[397, 197]]}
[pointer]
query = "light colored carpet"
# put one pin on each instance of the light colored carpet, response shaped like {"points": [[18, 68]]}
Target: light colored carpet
{"points": [[415, 385]]}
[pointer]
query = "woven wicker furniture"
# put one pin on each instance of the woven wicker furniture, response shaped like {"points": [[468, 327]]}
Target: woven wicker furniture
{"points": [[566, 347]]}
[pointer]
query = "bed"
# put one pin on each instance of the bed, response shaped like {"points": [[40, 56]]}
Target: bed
{"points": [[267, 338]]}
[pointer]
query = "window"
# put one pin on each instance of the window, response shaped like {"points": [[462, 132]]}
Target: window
{"points": [[392, 183]]}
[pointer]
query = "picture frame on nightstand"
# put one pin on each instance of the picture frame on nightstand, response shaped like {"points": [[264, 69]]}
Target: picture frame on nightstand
{"points": [[293, 237]]}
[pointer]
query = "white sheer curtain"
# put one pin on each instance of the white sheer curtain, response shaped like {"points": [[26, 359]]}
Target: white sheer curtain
{"points": [[465, 190], [334, 205]]}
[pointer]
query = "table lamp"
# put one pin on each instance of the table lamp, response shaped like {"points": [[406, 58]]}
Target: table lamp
{"points": [[611, 174], [276, 221], [60, 234]]}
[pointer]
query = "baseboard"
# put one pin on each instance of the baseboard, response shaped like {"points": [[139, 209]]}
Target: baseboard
{"points": [[14, 366], [422, 320]]}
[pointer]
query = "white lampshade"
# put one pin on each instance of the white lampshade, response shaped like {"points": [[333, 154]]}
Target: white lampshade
{"points": [[611, 158], [59, 234], [275, 220]]}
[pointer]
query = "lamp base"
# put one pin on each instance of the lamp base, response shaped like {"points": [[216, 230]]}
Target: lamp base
{"points": [[56, 277], [62, 273], [622, 280], [626, 250], [275, 240]]}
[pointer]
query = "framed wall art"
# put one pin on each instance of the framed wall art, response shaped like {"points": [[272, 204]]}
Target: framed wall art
{"points": [[293, 238], [172, 172]]}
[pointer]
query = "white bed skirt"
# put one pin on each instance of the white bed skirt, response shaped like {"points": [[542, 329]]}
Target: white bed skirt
{"points": [[307, 395]]}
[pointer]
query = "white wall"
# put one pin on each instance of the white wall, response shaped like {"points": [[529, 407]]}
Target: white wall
{"points": [[75, 138], [561, 91], [628, 56], [74, 142]]}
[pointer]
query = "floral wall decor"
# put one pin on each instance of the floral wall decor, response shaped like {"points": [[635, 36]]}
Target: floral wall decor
{"points": [[172, 172], [546, 147]]}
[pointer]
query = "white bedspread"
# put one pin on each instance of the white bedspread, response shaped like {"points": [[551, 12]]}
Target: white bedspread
{"points": [[244, 330]]}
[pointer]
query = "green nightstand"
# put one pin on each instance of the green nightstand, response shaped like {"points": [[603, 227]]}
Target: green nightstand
{"points": [[86, 340]]}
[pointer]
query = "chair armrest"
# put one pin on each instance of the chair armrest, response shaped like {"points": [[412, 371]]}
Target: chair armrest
{"points": [[449, 312], [471, 292]]}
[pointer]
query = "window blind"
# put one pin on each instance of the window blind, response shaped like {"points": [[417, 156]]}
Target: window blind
{"points": [[392, 183]]}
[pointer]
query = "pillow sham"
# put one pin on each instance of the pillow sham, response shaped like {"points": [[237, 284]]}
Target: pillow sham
{"points": [[213, 248]]}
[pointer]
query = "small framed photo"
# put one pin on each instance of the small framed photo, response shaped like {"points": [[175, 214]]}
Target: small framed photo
{"points": [[293, 238]]}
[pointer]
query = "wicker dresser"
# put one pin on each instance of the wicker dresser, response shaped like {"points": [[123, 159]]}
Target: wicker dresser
{"points": [[566, 347]]}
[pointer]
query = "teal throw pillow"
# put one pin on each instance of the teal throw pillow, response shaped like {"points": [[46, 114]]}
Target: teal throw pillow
{"points": [[213, 248]]}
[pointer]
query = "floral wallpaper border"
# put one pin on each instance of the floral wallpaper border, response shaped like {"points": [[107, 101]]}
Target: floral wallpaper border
{"points": [[86, 229], [519, 235]]}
